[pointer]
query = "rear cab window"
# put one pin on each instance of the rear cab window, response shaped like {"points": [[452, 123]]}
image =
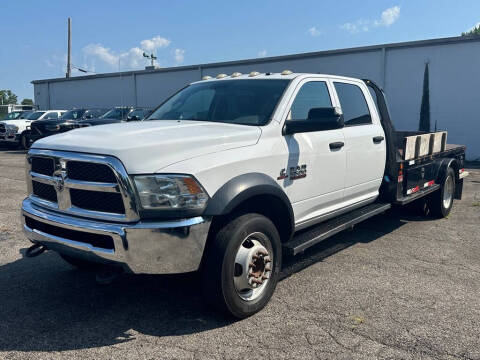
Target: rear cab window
{"points": [[353, 103]]}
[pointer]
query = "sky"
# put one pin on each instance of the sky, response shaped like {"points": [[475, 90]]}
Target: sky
{"points": [[109, 35]]}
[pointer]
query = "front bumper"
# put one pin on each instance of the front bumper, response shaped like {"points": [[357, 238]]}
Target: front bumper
{"points": [[9, 138], [166, 247]]}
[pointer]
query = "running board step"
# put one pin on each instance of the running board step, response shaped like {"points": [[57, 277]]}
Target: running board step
{"points": [[311, 236]]}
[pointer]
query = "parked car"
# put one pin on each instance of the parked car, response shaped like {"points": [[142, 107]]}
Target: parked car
{"points": [[42, 128], [17, 128], [229, 174], [114, 115]]}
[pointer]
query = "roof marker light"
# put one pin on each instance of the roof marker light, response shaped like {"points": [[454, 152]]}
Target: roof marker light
{"points": [[254, 73], [206, 77], [236, 74], [286, 72], [221, 76]]}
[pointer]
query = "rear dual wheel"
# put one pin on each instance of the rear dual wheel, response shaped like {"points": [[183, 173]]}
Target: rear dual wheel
{"points": [[242, 265], [441, 202]]}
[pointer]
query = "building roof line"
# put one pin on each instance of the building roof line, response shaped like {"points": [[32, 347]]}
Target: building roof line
{"points": [[416, 43]]}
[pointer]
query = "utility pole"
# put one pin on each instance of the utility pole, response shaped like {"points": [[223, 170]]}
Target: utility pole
{"points": [[69, 65]]}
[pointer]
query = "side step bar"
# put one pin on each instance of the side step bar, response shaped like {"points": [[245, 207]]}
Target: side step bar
{"points": [[311, 236]]}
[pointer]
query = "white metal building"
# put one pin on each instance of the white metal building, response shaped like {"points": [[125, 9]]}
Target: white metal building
{"points": [[398, 68]]}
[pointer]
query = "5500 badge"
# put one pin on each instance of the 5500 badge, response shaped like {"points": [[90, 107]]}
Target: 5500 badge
{"points": [[296, 172]]}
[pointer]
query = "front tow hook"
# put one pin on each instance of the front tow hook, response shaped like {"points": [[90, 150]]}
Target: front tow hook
{"points": [[35, 250]]}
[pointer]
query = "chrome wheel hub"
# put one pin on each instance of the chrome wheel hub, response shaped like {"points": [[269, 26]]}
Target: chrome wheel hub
{"points": [[447, 192], [253, 267]]}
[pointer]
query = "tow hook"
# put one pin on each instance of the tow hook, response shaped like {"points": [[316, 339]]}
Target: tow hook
{"points": [[35, 250]]}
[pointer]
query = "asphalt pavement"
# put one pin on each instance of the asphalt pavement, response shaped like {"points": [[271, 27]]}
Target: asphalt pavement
{"points": [[398, 286]]}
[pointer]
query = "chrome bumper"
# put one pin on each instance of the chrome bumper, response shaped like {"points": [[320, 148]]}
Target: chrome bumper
{"points": [[9, 138], [167, 247]]}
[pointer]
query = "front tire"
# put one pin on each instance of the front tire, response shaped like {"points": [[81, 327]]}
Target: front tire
{"points": [[242, 265], [442, 200], [24, 142]]}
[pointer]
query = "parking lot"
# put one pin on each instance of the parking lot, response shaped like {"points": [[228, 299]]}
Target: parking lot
{"points": [[398, 286]]}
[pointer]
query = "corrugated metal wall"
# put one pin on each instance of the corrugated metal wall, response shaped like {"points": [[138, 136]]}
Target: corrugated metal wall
{"points": [[454, 82]]}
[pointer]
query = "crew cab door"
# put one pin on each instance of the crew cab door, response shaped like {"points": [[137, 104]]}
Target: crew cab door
{"points": [[314, 173], [364, 141]]}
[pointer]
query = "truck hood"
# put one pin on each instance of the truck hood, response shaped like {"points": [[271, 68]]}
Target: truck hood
{"points": [[148, 146], [20, 123], [13, 122]]}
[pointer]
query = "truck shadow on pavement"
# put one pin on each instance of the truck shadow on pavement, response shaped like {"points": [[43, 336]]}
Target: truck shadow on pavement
{"points": [[11, 150], [48, 306]]}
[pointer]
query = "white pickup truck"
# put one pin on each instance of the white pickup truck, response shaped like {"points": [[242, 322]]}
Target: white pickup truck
{"points": [[14, 131], [226, 176]]}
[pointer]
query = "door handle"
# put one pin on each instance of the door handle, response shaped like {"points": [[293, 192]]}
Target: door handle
{"points": [[378, 139], [336, 145]]}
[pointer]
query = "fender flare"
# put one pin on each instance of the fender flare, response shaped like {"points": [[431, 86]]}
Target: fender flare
{"points": [[442, 169], [242, 188]]}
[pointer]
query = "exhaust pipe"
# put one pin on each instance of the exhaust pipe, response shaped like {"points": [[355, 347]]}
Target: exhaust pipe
{"points": [[35, 250]]}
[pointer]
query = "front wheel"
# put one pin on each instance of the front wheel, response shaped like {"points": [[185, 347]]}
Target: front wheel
{"points": [[442, 200], [242, 265], [24, 142]]}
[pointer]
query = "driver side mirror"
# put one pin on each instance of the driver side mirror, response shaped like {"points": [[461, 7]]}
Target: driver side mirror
{"points": [[319, 119]]}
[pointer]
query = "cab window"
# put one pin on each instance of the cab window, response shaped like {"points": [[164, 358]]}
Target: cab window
{"points": [[353, 103], [52, 115], [313, 94]]}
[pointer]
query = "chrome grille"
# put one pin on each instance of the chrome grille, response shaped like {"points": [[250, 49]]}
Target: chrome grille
{"points": [[43, 165], [44, 191], [90, 172], [92, 186], [98, 201], [37, 127]]}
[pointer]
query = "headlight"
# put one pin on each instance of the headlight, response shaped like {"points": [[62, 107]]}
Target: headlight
{"points": [[170, 192], [12, 128], [52, 127]]}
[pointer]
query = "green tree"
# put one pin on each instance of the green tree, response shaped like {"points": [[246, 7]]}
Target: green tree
{"points": [[473, 32], [424, 124], [27, 102], [7, 97]]}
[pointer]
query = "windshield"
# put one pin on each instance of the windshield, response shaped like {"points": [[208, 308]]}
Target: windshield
{"points": [[12, 116], [140, 113], [248, 102], [116, 113], [73, 114], [35, 115], [25, 114], [94, 113]]}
